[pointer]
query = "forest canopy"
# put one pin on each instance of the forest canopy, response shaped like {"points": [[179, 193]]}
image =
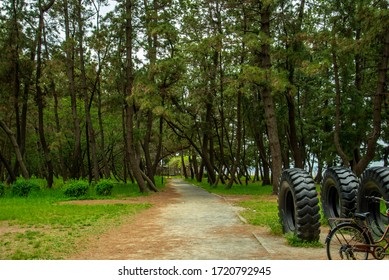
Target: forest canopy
{"points": [[98, 89]]}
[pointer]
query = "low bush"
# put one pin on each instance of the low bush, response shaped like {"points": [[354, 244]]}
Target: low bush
{"points": [[76, 188], [104, 187], [23, 187]]}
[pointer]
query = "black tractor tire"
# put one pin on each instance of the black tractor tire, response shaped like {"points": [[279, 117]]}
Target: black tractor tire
{"points": [[338, 192], [374, 182], [298, 204]]}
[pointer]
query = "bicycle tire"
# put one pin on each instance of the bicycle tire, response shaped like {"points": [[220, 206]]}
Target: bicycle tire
{"points": [[346, 242]]}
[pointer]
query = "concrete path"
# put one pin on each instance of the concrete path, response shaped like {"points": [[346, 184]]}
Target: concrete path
{"points": [[209, 225]]}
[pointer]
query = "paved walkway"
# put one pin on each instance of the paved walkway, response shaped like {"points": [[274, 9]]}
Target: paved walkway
{"points": [[209, 225]]}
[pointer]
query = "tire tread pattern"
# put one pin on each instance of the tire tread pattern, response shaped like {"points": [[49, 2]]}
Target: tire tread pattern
{"points": [[307, 216]]}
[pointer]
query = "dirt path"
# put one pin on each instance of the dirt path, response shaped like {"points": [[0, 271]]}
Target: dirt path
{"points": [[188, 223]]}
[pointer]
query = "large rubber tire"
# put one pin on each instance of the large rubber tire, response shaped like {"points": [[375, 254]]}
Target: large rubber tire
{"points": [[338, 192], [374, 182], [298, 207]]}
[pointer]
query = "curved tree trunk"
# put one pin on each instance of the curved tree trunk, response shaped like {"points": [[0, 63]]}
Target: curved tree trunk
{"points": [[19, 157]]}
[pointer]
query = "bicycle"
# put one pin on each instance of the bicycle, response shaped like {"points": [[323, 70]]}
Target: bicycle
{"points": [[354, 239]]}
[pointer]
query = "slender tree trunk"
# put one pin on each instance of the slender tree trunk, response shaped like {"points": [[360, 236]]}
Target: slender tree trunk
{"points": [[183, 166], [97, 89], [20, 118], [263, 155], [63, 172], [146, 146], [296, 47], [236, 157], [90, 134], [159, 146], [337, 143], [39, 95], [205, 150], [69, 50], [267, 98], [130, 110]]}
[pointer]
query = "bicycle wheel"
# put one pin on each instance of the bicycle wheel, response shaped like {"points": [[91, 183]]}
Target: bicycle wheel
{"points": [[347, 242]]}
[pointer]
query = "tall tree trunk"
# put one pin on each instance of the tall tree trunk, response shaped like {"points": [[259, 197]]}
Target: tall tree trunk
{"points": [[129, 107], [146, 145], [69, 50], [337, 143], [159, 146], [206, 147], [267, 98], [20, 118], [39, 95], [296, 47], [236, 157], [90, 134], [263, 156], [97, 89], [63, 172]]}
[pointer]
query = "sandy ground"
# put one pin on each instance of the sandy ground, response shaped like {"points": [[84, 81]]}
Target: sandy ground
{"points": [[188, 223]]}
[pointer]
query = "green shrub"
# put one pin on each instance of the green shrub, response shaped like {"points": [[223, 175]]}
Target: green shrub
{"points": [[104, 187], [23, 187], [2, 189], [76, 188]]}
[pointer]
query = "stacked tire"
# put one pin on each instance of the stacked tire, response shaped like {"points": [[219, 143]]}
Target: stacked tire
{"points": [[342, 194], [374, 182], [338, 192], [298, 207]]}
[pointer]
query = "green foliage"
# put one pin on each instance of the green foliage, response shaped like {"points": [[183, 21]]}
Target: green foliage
{"points": [[104, 187], [294, 241], [2, 189], [76, 188], [23, 187]]}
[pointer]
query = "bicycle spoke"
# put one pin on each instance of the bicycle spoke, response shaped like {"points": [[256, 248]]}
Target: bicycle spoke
{"points": [[347, 242]]}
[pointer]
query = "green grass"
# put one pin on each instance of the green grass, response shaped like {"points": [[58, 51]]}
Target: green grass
{"points": [[250, 189], [41, 226], [262, 211]]}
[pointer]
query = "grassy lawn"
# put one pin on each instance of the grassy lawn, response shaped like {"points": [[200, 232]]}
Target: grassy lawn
{"points": [[41, 227]]}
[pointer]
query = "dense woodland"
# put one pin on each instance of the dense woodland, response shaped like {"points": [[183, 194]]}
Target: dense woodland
{"points": [[96, 89]]}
